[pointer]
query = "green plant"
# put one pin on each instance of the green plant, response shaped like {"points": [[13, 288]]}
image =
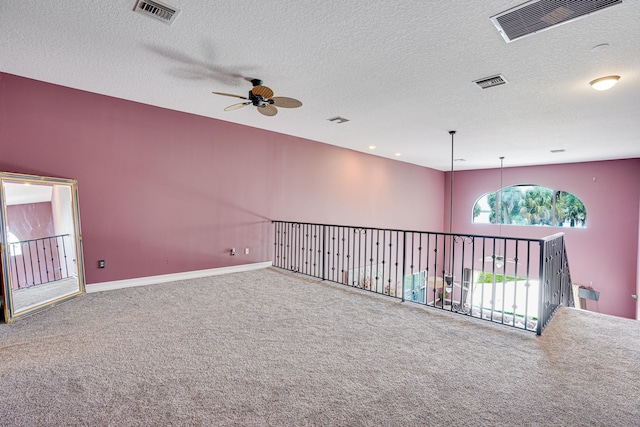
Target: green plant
{"points": [[488, 278]]}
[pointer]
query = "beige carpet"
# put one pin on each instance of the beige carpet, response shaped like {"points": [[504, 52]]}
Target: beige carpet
{"points": [[271, 348]]}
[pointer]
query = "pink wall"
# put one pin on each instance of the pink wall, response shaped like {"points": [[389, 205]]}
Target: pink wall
{"points": [[605, 253], [30, 220], [164, 192]]}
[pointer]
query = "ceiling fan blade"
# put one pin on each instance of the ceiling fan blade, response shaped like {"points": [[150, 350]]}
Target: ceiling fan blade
{"points": [[230, 94], [284, 102], [236, 106], [262, 91], [268, 110]]}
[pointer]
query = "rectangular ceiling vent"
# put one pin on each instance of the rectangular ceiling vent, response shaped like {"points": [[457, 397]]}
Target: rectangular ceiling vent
{"points": [[157, 10], [539, 15], [492, 81]]}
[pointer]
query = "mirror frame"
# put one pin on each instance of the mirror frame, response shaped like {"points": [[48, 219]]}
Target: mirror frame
{"points": [[7, 296]]}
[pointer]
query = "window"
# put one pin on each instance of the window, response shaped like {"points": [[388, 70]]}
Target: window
{"points": [[14, 244], [530, 205]]}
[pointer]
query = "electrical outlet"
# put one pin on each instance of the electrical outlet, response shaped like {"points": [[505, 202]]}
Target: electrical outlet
{"points": [[101, 263], [233, 251], [635, 297], [246, 251]]}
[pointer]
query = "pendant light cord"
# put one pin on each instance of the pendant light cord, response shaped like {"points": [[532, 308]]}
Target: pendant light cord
{"points": [[500, 203], [500, 200], [451, 132]]}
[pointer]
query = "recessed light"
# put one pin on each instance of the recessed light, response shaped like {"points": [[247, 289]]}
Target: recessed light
{"points": [[372, 147], [604, 83], [398, 154]]}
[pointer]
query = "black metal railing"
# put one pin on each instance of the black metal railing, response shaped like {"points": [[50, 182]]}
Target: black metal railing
{"points": [[556, 289], [512, 281], [39, 261]]}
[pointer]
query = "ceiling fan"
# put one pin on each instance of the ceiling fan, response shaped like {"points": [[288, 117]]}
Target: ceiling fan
{"points": [[262, 97]]}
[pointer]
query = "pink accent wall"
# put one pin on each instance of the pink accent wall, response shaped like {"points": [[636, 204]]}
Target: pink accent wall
{"points": [[164, 192], [30, 220], [605, 253]]}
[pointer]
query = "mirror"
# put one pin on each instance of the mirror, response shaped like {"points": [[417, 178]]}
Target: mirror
{"points": [[42, 261]]}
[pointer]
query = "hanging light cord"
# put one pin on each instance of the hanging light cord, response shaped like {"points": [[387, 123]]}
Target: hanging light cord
{"points": [[451, 132], [500, 200]]}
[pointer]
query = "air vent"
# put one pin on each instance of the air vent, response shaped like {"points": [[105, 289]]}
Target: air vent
{"points": [[338, 119], [157, 10], [492, 81], [539, 15]]}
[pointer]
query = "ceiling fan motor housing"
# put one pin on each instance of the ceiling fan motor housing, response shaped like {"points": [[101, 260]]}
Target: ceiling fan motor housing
{"points": [[257, 100]]}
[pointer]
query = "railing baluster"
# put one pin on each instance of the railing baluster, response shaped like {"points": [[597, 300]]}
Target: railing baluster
{"points": [[288, 248], [276, 241], [514, 306], [295, 239], [33, 274], [53, 267], [527, 284], [376, 258], [24, 263], [384, 265], [369, 259], [359, 232], [15, 262], [64, 251]]}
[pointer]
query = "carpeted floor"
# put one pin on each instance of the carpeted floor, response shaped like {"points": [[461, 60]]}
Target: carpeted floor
{"points": [[267, 347]]}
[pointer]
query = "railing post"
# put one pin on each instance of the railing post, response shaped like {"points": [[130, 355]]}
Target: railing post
{"points": [[564, 277], [541, 288]]}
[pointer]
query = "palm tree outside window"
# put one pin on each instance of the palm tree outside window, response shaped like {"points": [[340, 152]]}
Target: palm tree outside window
{"points": [[531, 205]]}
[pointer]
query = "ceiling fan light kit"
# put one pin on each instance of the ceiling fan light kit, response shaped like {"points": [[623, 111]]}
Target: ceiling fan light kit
{"points": [[604, 83], [262, 98]]}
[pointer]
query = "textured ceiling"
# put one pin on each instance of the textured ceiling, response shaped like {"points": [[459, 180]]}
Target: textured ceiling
{"points": [[402, 72]]}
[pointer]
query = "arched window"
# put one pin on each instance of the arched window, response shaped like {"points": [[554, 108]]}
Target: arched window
{"points": [[530, 205]]}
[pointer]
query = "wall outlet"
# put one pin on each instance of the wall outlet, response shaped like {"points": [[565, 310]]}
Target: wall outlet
{"points": [[233, 251], [246, 251], [101, 263]]}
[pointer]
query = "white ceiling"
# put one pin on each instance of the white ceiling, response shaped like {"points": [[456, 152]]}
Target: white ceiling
{"points": [[400, 71], [20, 194]]}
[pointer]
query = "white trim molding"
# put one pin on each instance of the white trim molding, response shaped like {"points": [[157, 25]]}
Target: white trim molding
{"points": [[164, 278]]}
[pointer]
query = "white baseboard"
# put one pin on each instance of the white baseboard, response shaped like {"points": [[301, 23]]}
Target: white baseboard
{"points": [[153, 280]]}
